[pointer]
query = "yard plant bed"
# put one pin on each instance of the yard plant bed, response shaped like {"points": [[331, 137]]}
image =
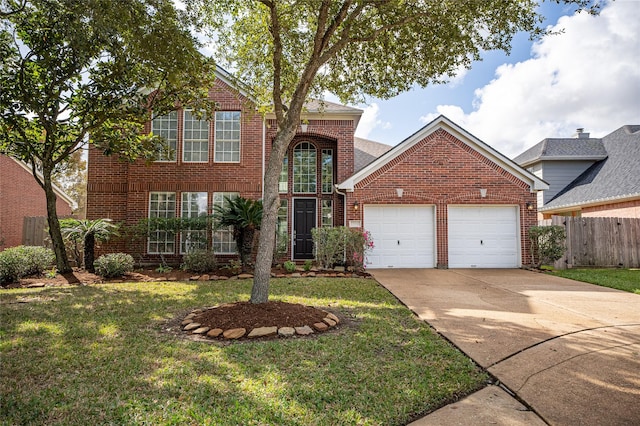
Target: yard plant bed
{"points": [[239, 320], [102, 354]]}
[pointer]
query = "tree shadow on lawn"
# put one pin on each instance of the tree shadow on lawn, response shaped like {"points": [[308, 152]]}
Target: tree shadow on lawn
{"points": [[97, 354]]}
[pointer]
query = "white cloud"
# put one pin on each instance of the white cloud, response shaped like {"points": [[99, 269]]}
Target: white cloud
{"points": [[589, 77], [370, 120]]}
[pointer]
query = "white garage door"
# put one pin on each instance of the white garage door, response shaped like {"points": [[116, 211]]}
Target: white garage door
{"points": [[403, 236], [483, 237]]}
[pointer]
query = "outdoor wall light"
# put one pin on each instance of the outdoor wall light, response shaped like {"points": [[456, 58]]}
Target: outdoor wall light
{"points": [[356, 205], [529, 206]]}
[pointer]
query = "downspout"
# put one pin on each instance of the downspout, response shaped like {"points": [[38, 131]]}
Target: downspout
{"points": [[344, 196]]}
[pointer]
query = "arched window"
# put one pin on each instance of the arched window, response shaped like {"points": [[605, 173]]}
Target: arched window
{"points": [[304, 169]]}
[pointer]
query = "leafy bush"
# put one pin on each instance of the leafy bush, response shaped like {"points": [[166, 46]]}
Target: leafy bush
{"points": [[341, 245], [113, 264], [289, 266], [22, 261], [199, 261], [308, 264], [547, 244]]}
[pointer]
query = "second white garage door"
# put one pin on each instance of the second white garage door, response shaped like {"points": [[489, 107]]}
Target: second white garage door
{"points": [[483, 237], [403, 236]]}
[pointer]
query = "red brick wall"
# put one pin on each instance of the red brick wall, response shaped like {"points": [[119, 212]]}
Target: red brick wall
{"points": [[20, 196], [629, 209], [441, 170], [120, 190]]}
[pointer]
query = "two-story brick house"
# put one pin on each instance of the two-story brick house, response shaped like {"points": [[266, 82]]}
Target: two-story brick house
{"points": [[440, 198], [208, 160]]}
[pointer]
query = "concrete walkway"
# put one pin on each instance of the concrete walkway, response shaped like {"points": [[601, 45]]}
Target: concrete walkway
{"points": [[569, 350]]}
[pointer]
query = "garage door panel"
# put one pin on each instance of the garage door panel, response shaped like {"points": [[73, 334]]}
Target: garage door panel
{"points": [[483, 237], [403, 236]]}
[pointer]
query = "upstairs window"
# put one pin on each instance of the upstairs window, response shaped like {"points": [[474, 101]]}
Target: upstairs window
{"points": [[327, 171], [195, 144], [166, 126], [304, 169], [227, 137]]}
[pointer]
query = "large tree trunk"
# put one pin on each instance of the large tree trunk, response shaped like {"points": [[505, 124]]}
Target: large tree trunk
{"points": [[271, 202], [62, 263], [89, 251]]}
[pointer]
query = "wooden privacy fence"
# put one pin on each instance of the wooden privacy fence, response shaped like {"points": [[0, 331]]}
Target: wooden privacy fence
{"points": [[34, 231], [599, 242]]}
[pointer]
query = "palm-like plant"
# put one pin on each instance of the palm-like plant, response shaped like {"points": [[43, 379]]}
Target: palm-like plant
{"points": [[88, 231], [245, 217]]}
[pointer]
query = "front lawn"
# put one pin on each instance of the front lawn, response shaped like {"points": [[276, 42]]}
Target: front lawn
{"points": [[101, 354], [621, 279]]}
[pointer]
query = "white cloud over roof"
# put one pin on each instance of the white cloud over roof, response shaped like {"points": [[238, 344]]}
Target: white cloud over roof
{"points": [[588, 76]]}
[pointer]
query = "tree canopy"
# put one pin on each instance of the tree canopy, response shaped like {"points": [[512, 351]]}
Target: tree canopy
{"points": [[73, 68], [290, 50]]}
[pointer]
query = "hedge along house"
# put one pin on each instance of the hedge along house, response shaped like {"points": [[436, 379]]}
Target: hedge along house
{"points": [[443, 198], [222, 156]]}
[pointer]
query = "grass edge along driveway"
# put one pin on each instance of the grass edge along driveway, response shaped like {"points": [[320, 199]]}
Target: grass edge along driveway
{"points": [[100, 355], [620, 279]]}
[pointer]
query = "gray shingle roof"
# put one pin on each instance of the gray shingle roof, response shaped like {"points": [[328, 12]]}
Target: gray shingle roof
{"points": [[366, 151], [616, 177], [563, 149], [322, 106]]}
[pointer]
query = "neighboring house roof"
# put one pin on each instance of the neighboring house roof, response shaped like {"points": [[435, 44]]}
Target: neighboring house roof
{"points": [[615, 178], [563, 149], [449, 126], [59, 192], [366, 151]]}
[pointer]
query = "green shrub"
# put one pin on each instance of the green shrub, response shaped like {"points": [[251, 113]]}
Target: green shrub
{"points": [[113, 264], [341, 245], [22, 261], [10, 266], [289, 266], [547, 244], [199, 261], [308, 264]]}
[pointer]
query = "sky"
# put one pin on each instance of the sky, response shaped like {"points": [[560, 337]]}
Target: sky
{"points": [[587, 77]]}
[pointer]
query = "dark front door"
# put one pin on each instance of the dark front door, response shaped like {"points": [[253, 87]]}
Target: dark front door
{"points": [[304, 219]]}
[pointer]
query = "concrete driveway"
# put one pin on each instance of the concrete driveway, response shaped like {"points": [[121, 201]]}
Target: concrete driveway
{"points": [[569, 350]]}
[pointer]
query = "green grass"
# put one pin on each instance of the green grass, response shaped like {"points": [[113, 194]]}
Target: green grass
{"points": [[621, 279], [100, 355]]}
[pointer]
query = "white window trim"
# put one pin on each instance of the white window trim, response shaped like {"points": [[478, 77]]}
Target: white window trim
{"points": [[215, 139], [293, 175], [181, 216], [149, 217], [213, 202], [177, 142], [330, 151], [184, 139]]}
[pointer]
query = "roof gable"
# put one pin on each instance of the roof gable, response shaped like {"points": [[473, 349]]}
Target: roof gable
{"points": [[615, 178], [449, 126], [563, 149], [59, 192]]}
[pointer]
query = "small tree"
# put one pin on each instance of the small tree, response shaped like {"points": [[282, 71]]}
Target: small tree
{"points": [[547, 244], [88, 231], [245, 217]]}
